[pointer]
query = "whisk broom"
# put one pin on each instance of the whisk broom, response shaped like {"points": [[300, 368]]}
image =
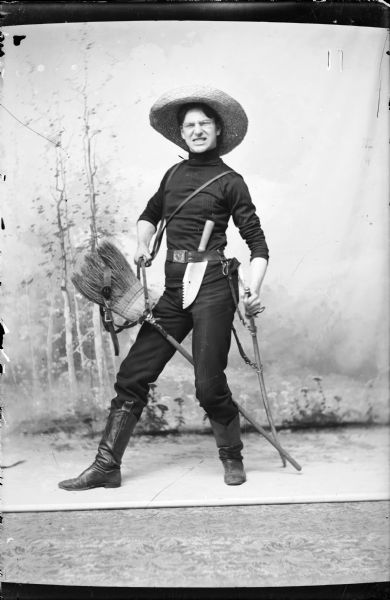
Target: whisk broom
{"points": [[89, 278]]}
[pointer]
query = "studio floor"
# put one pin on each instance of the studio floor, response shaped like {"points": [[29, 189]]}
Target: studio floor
{"points": [[236, 544]]}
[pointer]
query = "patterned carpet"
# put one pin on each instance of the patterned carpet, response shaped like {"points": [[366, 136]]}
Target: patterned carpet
{"points": [[228, 546]]}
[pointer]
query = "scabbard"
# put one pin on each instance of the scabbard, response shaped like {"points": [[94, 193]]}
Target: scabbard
{"points": [[263, 391], [268, 437]]}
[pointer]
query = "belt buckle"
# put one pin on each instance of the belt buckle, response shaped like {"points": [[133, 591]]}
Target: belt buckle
{"points": [[180, 256]]}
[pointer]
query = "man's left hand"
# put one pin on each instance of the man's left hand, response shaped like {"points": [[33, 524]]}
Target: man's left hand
{"points": [[252, 305]]}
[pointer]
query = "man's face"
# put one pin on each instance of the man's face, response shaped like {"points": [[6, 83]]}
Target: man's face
{"points": [[199, 131]]}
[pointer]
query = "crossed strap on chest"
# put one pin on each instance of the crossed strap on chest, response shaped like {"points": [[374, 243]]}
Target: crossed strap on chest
{"points": [[106, 312], [164, 222]]}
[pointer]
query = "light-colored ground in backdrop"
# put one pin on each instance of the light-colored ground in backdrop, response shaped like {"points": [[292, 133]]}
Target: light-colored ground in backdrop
{"points": [[342, 464]]}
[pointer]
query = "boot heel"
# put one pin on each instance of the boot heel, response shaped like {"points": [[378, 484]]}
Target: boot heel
{"points": [[113, 480]]}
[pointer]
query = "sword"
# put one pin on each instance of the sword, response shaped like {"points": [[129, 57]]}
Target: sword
{"points": [[259, 368]]}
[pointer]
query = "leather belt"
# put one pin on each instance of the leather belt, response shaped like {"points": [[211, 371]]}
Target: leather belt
{"points": [[186, 256]]}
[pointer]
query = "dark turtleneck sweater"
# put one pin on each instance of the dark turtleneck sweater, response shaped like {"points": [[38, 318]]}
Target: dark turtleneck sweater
{"points": [[227, 197]]}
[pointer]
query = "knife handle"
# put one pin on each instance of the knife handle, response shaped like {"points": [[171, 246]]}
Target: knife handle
{"points": [[207, 230]]}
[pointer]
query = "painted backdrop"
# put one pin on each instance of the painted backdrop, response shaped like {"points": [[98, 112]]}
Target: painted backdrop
{"points": [[79, 156]]}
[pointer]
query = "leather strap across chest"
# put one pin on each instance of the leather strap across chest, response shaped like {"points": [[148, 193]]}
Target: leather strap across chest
{"points": [[164, 223]]}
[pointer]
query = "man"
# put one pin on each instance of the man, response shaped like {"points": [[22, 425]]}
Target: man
{"points": [[208, 123]]}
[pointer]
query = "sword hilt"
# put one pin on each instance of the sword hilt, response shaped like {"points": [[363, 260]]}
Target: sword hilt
{"points": [[248, 294]]}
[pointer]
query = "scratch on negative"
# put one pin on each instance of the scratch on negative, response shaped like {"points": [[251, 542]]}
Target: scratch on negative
{"points": [[175, 481], [380, 77]]}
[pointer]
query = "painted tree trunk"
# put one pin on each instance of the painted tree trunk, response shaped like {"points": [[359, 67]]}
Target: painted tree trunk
{"points": [[99, 353], [34, 372], [49, 340], [69, 344], [111, 359], [83, 360]]}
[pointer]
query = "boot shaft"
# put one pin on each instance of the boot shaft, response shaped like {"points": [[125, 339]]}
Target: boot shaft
{"points": [[116, 436], [228, 439], [105, 470]]}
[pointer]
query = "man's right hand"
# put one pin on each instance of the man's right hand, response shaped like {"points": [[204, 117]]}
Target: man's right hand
{"points": [[142, 252]]}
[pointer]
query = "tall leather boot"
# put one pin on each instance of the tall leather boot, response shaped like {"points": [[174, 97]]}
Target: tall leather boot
{"points": [[105, 470], [229, 444]]}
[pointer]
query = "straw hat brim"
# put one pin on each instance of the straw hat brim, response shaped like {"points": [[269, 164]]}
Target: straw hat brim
{"points": [[163, 115]]}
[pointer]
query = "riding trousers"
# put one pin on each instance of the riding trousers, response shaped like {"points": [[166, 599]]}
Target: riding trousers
{"points": [[210, 318]]}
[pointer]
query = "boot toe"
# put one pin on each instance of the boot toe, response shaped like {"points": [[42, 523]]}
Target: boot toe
{"points": [[67, 484], [92, 478]]}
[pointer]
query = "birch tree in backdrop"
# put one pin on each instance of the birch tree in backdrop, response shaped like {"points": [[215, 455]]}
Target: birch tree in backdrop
{"points": [[67, 357]]}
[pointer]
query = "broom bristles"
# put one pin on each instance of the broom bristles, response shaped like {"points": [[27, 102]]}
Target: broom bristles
{"points": [[126, 289]]}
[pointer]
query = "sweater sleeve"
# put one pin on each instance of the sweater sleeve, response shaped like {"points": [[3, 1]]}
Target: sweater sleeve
{"points": [[154, 208], [245, 218]]}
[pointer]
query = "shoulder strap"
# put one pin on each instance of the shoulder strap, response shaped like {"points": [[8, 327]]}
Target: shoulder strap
{"points": [[160, 231], [163, 226], [173, 170]]}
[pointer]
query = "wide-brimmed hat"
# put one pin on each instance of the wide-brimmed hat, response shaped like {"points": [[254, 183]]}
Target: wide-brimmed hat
{"points": [[163, 115]]}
